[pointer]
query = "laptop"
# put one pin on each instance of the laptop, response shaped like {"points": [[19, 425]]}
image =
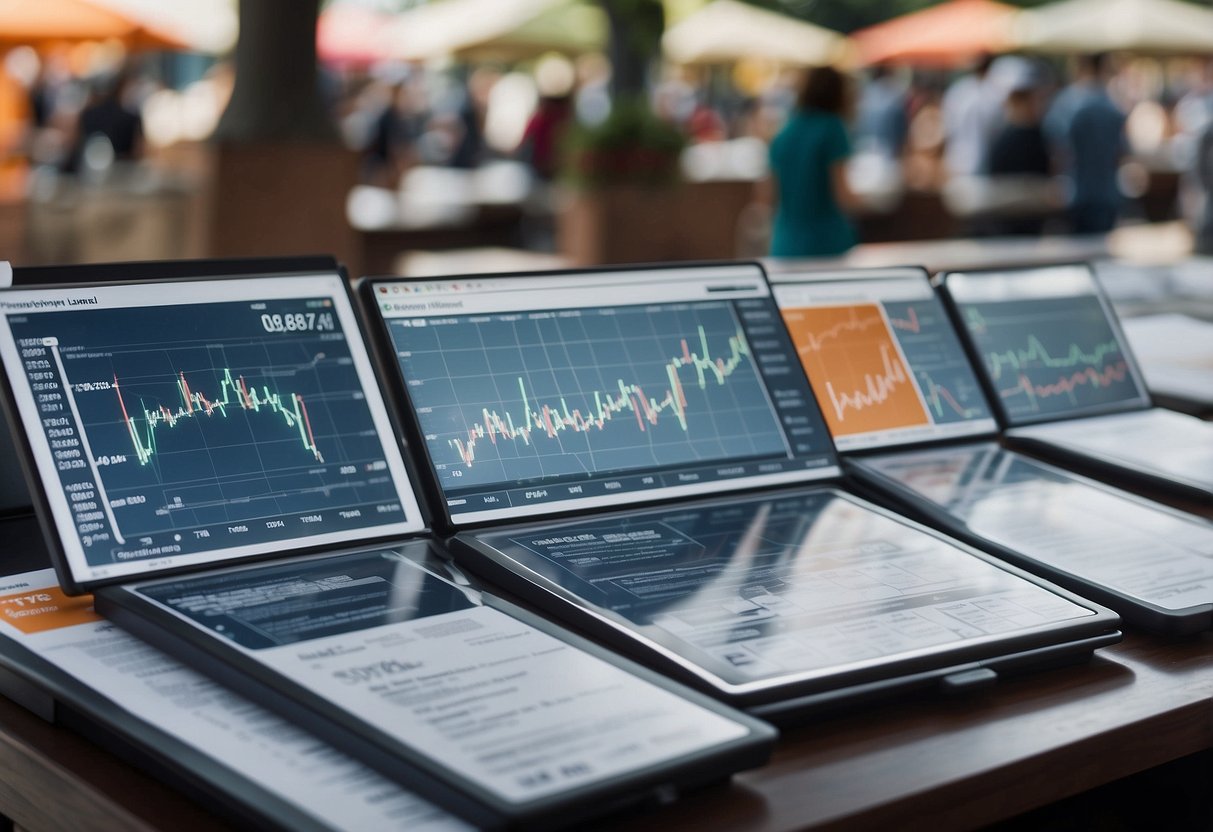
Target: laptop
{"points": [[1064, 381], [906, 409], [635, 450], [181, 428]]}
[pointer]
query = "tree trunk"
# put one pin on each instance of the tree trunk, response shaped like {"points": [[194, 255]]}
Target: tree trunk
{"points": [[276, 96], [635, 43]]}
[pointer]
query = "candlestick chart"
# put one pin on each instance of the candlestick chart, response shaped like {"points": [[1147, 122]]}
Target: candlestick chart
{"points": [[1051, 356], [196, 424], [508, 398]]}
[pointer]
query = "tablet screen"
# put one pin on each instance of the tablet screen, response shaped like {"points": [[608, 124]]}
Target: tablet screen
{"points": [[785, 588], [882, 357], [186, 423], [551, 392], [1048, 343], [1161, 557]]}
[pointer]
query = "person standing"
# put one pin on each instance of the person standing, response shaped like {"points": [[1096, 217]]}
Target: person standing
{"points": [[971, 112], [808, 168], [1088, 132], [882, 122], [1018, 162]]}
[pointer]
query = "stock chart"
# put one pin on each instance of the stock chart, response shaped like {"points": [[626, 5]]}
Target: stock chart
{"points": [[511, 397], [190, 427], [1050, 357], [881, 367]]}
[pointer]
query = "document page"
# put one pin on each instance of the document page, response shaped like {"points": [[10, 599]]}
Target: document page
{"points": [[782, 588], [1159, 441], [517, 711], [1041, 512], [293, 765]]}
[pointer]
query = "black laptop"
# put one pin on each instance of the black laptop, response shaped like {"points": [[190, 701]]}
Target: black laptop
{"points": [[1064, 381], [175, 427], [637, 451], [905, 407]]}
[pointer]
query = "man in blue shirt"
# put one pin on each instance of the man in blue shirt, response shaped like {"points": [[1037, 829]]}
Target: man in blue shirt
{"points": [[1087, 131]]}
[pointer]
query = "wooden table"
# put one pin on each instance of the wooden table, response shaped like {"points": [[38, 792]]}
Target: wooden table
{"points": [[946, 763], [936, 762]]}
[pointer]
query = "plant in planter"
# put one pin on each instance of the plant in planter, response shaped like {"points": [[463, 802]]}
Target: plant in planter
{"points": [[621, 202], [631, 147]]}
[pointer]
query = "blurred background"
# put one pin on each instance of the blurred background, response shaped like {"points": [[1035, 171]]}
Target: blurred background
{"points": [[463, 135]]}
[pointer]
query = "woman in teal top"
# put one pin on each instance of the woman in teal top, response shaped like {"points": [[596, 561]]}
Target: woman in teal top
{"points": [[808, 165]]}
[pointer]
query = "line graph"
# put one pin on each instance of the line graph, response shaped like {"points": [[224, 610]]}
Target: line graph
{"points": [[1053, 356], [195, 427], [508, 398], [855, 319], [234, 391], [1037, 355], [855, 368], [1066, 385], [551, 419], [909, 323], [876, 388], [942, 400]]}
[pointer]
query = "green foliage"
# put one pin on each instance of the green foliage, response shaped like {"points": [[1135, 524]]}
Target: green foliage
{"points": [[632, 146]]}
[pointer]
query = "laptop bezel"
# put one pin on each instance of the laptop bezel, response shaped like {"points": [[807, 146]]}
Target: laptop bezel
{"points": [[441, 517], [1142, 402], [896, 273], [179, 272]]}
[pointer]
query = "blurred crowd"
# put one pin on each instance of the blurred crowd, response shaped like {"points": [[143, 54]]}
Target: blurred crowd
{"points": [[1011, 145]]}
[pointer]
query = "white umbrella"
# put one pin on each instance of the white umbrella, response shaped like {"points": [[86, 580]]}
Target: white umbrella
{"points": [[1087, 26], [509, 28], [727, 31], [208, 26]]}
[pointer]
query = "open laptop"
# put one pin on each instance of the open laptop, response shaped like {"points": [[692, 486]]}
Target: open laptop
{"points": [[181, 426], [909, 415], [636, 451], [1064, 381]]}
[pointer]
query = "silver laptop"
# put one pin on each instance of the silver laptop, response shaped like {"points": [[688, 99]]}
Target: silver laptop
{"points": [[1064, 381]]}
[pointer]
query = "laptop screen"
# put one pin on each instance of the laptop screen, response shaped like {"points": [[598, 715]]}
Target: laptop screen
{"points": [[553, 392], [1048, 342], [186, 423], [882, 357]]}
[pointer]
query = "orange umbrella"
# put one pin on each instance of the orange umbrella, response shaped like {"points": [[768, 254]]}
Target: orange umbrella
{"points": [[946, 35], [41, 22]]}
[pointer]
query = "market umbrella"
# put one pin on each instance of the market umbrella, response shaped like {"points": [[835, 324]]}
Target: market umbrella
{"points": [[208, 26], [1143, 26], [945, 35], [728, 31], [352, 35], [41, 22], [501, 29]]}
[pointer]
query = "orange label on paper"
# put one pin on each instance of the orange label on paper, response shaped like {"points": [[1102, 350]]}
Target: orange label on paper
{"points": [[39, 610]]}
